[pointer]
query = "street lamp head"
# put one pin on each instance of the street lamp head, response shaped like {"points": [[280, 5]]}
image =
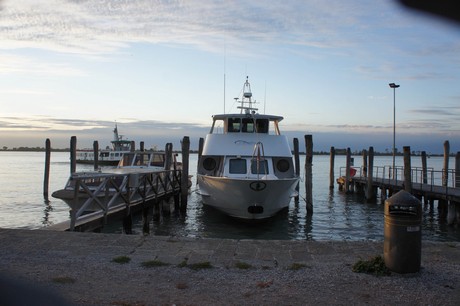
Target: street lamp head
{"points": [[393, 85]]}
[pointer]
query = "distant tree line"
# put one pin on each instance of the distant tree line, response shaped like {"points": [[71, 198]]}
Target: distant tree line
{"points": [[33, 149], [338, 151]]}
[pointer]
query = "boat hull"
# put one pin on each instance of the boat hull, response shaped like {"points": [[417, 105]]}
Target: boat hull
{"points": [[247, 198]]}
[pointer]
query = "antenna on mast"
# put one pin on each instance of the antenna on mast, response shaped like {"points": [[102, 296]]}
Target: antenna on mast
{"points": [[246, 99], [265, 96], [225, 68]]}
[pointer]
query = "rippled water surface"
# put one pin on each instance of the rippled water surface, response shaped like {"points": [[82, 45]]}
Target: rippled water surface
{"points": [[337, 216]]}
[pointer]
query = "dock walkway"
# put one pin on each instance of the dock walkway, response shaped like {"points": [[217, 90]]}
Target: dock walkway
{"points": [[428, 191], [79, 268]]}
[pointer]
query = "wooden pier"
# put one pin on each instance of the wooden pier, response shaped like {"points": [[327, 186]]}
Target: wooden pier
{"points": [[427, 184], [100, 197]]}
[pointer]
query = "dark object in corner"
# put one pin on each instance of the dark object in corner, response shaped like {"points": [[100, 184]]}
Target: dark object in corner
{"points": [[447, 9]]}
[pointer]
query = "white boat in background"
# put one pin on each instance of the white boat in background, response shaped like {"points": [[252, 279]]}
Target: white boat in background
{"points": [[108, 156], [246, 168]]}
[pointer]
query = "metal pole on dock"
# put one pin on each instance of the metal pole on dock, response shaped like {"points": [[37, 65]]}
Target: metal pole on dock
{"points": [[394, 86], [308, 173], [73, 154], [184, 177], [96, 154], [297, 166], [46, 180], [331, 168], [407, 170]]}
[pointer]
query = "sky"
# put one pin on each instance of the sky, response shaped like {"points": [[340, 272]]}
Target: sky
{"points": [[161, 69]]}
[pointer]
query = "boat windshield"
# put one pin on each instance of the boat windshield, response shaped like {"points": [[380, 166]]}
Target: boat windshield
{"points": [[247, 125], [142, 160]]}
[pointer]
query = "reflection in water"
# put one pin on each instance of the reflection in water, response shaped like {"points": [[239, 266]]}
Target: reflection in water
{"points": [[46, 213], [336, 216], [339, 216]]}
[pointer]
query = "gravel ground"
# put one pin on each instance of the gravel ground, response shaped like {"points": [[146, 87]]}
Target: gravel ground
{"points": [[85, 273]]}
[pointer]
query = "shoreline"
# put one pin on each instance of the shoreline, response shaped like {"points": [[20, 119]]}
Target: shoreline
{"points": [[80, 268]]}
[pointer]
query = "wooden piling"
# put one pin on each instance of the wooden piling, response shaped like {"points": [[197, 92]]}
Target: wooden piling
{"points": [[407, 170], [364, 172], [200, 152], [127, 219], [133, 146], [457, 170], [331, 168], [145, 220], [453, 209], [73, 154], [424, 168], [297, 166], [141, 146], [370, 175], [200, 147], [185, 168], [46, 180], [128, 224], [168, 155], [445, 170], [308, 173], [96, 154], [443, 204], [347, 171]]}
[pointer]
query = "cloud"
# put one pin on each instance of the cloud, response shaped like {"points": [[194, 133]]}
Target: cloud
{"points": [[20, 64], [105, 26]]}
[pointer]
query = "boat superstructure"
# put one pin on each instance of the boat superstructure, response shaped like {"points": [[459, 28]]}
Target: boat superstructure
{"points": [[109, 156], [246, 168]]}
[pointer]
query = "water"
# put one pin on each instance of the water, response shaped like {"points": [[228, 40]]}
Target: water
{"points": [[337, 216]]}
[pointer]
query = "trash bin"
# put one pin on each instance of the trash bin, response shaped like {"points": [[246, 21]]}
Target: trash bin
{"points": [[402, 233]]}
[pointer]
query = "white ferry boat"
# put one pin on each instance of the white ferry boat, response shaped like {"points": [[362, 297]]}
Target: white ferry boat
{"points": [[246, 168], [109, 156]]}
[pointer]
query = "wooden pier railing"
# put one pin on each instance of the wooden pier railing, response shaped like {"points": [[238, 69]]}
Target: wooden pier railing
{"points": [[98, 196], [427, 183]]}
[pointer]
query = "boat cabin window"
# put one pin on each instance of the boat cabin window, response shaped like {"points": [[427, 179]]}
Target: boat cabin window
{"points": [[237, 166], [234, 125], [246, 125], [158, 160], [262, 125], [126, 160], [142, 160], [260, 167]]}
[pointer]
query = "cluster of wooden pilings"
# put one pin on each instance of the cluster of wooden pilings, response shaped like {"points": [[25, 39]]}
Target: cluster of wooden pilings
{"points": [[448, 198]]}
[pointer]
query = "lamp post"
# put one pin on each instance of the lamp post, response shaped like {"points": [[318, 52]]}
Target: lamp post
{"points": [[394, 86]]}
